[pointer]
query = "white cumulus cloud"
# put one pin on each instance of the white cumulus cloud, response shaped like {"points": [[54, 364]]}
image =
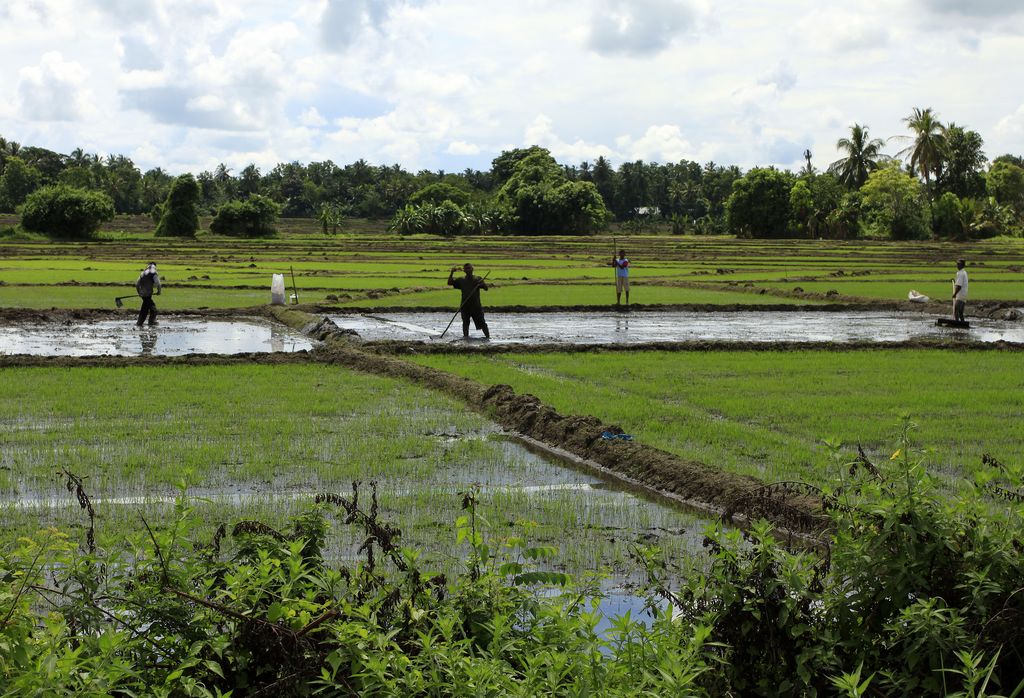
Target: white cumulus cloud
{"points": [[54, 90], [664, 143], [642, 27], [462, 148]]}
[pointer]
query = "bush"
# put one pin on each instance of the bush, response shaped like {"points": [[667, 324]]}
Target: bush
{"points": [[18, 180], [759, 204], [894, 205], [66, 212], [916, 586], [446, 218], [178, 216], [947, 217], [252, 218]]}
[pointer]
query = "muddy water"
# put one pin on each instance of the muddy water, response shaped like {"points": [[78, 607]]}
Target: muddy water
{"points": [[640, 327], [590, 520], [174, 336]]}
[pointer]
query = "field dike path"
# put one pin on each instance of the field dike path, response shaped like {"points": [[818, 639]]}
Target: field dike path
{"points": [[736, 497]]}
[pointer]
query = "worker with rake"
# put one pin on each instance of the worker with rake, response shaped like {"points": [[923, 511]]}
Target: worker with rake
{"points": [[149, 280], [471, 306]]}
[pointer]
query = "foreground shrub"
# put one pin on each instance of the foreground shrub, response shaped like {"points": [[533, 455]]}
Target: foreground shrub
{"points": [[914, 592], [66, 212], [178, 216], [181, 616], [254, 217]]}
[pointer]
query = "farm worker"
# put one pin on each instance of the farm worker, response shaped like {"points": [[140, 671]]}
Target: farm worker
{"points": [[149, 280], [621, 277], [471, 306], [959, 291]]}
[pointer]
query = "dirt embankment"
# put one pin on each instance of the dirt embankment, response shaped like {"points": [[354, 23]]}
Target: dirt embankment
{"points": [[400, 348], [72, 315], [583, 436], [262, 358]]}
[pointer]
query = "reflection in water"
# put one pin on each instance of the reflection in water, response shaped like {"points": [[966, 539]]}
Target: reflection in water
{"points": [[176, 337], [599, 327], [148, 340], [277, 338]]}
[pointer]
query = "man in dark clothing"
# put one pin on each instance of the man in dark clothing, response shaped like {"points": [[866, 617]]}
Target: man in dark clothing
{"points": [[471, 306], [148, 282]]}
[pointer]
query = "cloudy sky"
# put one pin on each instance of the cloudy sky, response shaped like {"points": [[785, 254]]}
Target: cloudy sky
{"points": [[448, 84]]}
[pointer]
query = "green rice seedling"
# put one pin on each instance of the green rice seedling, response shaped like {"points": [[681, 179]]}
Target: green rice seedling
{"points": [[764, 413], [257, 442]]}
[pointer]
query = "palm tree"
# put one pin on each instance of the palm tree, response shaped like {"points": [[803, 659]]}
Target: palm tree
{"points": [[862, 156], [928, 150]]}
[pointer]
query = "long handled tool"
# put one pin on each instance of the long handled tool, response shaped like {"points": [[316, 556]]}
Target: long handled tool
{"points": [[615, 268], [295, 291], [476, 290], [118, 303]]}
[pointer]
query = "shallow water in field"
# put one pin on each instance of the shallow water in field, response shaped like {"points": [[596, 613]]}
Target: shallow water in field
{"points": [[590, 520], [174, 336], [607, 327]]}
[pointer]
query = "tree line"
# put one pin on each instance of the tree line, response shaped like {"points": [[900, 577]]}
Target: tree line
{"points": [[940, 183]]}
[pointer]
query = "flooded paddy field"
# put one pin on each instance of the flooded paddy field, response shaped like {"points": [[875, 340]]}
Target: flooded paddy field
{"points": [[308, 429], [625, 327], [173, 336]]}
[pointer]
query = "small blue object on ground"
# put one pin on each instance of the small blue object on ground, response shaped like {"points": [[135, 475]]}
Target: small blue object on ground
{"points": [[611, 435]]}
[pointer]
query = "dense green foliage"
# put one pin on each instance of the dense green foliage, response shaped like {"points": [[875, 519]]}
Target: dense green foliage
{"points": [[252, 218], [759, 204], [684, 197], [1005, 183], [539, 198], [895, 205], [16, 183], [439, 192], [909, 593], [178, 215], [66, 212], [915, 594]]}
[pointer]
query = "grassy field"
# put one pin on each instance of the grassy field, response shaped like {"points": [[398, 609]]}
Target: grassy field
{"points": [[767, 413], [258, 441], [222, 272]]}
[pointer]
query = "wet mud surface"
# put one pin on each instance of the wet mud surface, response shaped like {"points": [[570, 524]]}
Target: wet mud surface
{"points": [[173, 336], [641, 328]]}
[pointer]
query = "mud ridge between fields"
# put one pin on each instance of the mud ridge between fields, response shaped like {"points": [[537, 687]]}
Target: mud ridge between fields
{"points": [[70, 315], [398, 348], [262, 358], [582, 436], [633, 308]]}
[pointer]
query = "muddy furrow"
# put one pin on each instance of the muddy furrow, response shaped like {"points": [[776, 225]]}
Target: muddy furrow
{"points": [[399, 348]]}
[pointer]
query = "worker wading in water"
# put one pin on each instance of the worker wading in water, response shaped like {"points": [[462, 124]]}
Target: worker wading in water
{"points": [[471, 306], [147, 284]]}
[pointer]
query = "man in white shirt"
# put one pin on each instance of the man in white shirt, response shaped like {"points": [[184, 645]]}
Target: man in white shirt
{"points": [[959, 291]]}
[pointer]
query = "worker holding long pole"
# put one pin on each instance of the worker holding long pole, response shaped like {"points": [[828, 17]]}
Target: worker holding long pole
{"points": [[471, 307], [621, 277]]}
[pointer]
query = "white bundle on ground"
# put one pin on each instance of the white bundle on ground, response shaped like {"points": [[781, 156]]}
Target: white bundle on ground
{"points": [[277, 289], [916, 297]]}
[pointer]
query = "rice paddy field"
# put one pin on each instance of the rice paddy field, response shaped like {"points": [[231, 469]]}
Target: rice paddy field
{"points": [[367, 267], [768, 413], [254, 439], [259, 442]]}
